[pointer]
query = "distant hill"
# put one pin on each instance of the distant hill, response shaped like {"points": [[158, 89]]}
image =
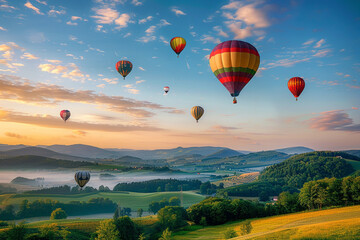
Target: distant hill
{"points": [[5, 147], [298, 169], [223, 153], [38, 162], [294, 150], [84, 151], [37, 151], [353, 152]]}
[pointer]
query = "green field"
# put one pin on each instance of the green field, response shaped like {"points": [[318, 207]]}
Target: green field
{"points": [[125, 199], [339, 223], [354, 164]]}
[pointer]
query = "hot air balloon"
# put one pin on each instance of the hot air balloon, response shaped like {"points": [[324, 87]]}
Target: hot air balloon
{"points": [[234, 63], [178, 44], [197, 112], [296, 85], [124, 67], [166, 89], [65, 114], [82, 178]]}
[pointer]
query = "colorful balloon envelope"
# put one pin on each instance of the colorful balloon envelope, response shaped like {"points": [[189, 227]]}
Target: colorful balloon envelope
{"points": [[197, 112], [65, 114], [178, 44], [82, 178], [166, 89], [234, 63], [296, 85], [124, 67]]}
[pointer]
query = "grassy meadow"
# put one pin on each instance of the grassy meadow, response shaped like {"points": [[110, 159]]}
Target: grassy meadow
{"points": [[125, 199], [337, 223]]}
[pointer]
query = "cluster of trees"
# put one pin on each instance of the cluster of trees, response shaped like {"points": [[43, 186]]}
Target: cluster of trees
{"points": [[209, 188], [155, 206], [122, 228], [69, 190], [302, 168], [159, 185], [40, 208]]}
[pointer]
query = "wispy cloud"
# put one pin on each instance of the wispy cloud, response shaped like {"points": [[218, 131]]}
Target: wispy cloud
{"points": [[141, 68], [30, 6], [220, 32], [136, 3], [70, 71], [144, 20], [55, 13], [29, 56], [308, 42], [336, 120], [319, 43], [322, 53], [111, 16], [3, 29], [208, 38], [286, 62], [177, 11], [14, 135]]}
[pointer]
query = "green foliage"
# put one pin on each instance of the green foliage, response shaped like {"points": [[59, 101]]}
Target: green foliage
{"points": [[203, 222], [159, 184], [3, 224], [302, 168], [58, 214], [155, 206], [166, 235], [230, 233], [53, 232], [174, 201], [16, 232], [288, 202], [127, 229], [107, 230], [246, 227], [140, 212], [172, 217], [208, 188]]}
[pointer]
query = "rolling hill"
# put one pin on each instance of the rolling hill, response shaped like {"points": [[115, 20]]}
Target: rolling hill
{"points": [[294, 150], [83, 151], [37, 151], [223, 153]]}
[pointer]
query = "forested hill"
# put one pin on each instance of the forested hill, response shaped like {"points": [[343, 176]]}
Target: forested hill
{"points": [[297, 170]]}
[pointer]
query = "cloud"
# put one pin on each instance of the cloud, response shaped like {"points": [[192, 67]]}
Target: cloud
{"points": [[14, 135], [30, 6], [71, 71], [322, 53], [127, 35], [144, 20], [3, 29], [354, 108], [7, 7], [240, 33], [29, 56], [163, 22], [140, 81], [54, 12], [17, 89], [220, 32], [111, 80], [163, 40], [208, 38], [319, 43], [71, 23], [79, 133], [74, 18], [56, 122], [286, 62], [146, 39], [53, 61], [101, 85], [308, 42], [177, 11], [150, 30], [111, 16], [133, 91], [336, 120], [41, 2], [141, 68], [220, 128], [136, 3]]}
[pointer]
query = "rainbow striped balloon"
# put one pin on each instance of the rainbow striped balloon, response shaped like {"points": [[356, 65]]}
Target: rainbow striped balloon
{"points": [[234, 63], [178, 44]]}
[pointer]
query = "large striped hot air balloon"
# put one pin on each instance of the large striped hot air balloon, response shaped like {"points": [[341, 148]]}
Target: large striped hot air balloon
{"points": [[82, 178], [178, 44], [124, 67], [197, 112], [234, 63], [296, 85], [65, 114]]}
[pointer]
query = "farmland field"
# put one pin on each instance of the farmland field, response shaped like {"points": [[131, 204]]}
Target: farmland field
{"points": [[238, 179]]}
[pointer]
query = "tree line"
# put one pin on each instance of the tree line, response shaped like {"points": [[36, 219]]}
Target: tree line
{"points": [[159, 185]]}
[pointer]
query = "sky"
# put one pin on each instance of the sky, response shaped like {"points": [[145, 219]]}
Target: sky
{"points": [[61, 54]]}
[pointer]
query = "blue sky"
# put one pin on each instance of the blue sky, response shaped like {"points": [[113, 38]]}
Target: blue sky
{"points": [[61, 55]]}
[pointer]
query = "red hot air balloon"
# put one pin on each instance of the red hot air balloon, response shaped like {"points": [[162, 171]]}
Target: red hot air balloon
{"points": [[65, 114], [178, 44], [234, 63], [296, 85], [166, 89], [124, 67]]}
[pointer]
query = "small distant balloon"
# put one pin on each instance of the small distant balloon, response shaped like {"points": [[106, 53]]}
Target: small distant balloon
{"points": [[166, 89], [124, 67], [296, 85], [82, 178], [178, 44], [197, 112], [65, 114]]}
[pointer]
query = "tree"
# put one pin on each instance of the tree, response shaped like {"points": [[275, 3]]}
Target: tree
{"points": [[126, 228], [166, 235], [116, 214], [58, 214], [140, 212], [203, 221], [263, 196], [16, 232], [107, 230], [53, 232], [172, 217], [174, 201], [154, 207], [230, 233], [246, 227]]}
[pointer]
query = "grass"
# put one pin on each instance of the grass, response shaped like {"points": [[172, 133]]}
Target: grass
{"points": [[337, 223], [354, 164], [238, 179], [125, 199]]}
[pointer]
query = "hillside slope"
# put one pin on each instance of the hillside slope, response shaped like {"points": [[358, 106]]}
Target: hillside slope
{"points": [[338, 223]]}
